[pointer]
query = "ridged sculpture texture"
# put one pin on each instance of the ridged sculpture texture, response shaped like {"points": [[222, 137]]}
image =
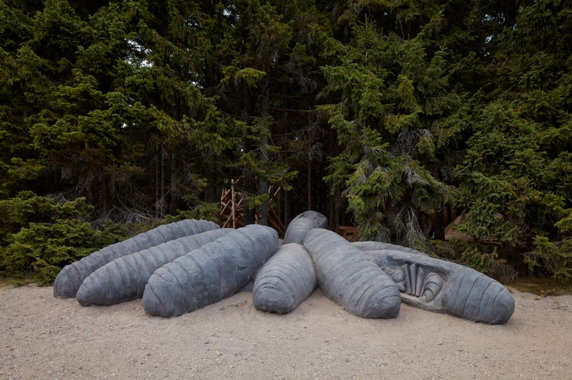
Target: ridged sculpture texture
{"points": [[302, 224], [125, 278], [446, 287], [72, 276], [285, 280], [210, 273], [347, 276], [180, 267], [288, 278]]}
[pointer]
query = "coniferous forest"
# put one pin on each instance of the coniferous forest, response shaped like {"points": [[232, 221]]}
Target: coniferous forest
{"points": [[395, 116]]}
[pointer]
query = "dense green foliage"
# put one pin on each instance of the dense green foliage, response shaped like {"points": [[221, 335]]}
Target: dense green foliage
{"points": [[42, 235], [384, 114]]}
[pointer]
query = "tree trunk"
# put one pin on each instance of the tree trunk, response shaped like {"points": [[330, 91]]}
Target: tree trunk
{"points": [[309, 188], [173, 191], [287, 211], [263, 107], [262, 190], [162, 186], [439, 228]]}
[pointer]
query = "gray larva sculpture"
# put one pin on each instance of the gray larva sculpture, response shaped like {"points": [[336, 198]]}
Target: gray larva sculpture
{"points": [[285, 280], [443, 286], [347, 276], [302, 224], [378, 246], [124, 278], [71, 276], [365, 282], [210, 273]]}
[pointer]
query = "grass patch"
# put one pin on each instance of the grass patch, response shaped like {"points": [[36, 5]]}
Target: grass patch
{"points": [[13, 282], [542, 286]]}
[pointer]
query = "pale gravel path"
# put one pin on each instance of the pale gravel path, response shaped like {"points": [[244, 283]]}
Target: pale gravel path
{"points": [[48, 338]]}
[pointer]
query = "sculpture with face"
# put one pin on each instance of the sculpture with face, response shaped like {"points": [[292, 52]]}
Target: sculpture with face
{"points": [[368, 279], [443, 286]]}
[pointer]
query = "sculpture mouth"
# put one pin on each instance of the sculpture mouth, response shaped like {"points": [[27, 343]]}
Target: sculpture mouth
{"points": [[414, 280], [418, 285]]}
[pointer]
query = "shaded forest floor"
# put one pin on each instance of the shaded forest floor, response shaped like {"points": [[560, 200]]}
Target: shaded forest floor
{"points": [[55, 338], [542, 286]]}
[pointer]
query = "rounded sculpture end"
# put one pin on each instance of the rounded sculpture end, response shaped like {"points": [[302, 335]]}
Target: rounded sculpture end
{"points": [[84, 298], [390, 307], [87, 294], [152, 303], [301, 224], [162, 299], [386, 308], [271, 301], [63, 284], [503, 307]]}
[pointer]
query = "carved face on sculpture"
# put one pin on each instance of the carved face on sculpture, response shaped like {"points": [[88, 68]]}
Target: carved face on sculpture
{"points": [[443, 286]]}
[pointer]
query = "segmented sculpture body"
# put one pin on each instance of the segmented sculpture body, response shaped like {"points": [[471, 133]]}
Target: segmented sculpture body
{"points": [[446, 287], [210, 273], [472, 295], [72, 276], [302, 224], [347, 276], [124, 278], [285, 280]]}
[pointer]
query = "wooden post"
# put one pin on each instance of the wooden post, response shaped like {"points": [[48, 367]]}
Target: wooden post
{"points": [[232, 202]]}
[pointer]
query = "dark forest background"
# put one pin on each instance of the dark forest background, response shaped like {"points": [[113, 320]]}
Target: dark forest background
{"points": [[393, 116]]}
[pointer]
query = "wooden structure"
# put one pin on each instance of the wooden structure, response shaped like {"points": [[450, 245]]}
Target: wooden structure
{"points": [[232, 208], [451, 232], [350, 233], [274, 219]]}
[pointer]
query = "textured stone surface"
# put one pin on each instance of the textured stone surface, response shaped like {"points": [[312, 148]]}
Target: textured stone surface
{"points": [[347, 276], [124, 278], [72, 276], [285, 280], [302, 224], [446, 287], [210, 273]]}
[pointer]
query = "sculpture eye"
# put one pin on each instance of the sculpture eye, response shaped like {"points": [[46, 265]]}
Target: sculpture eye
{"points": [[396, 274]]}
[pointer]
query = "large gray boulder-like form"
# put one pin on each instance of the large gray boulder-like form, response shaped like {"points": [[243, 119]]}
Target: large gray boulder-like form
{"points": [[285, 280], [72, 276], [446, 287], [347, 276], [125, 278], [302, 224], [210, 273], [378, 246]]}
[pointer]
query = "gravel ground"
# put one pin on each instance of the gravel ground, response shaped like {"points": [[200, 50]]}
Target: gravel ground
{"points": [[45, 337]]}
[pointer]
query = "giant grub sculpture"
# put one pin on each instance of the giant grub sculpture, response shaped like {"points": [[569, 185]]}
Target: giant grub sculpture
{"points": [[365, 278], [210, 273], [285, 281], [446, 287], [302, 224], [347, 276], [124, 278], [72, 276]]}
